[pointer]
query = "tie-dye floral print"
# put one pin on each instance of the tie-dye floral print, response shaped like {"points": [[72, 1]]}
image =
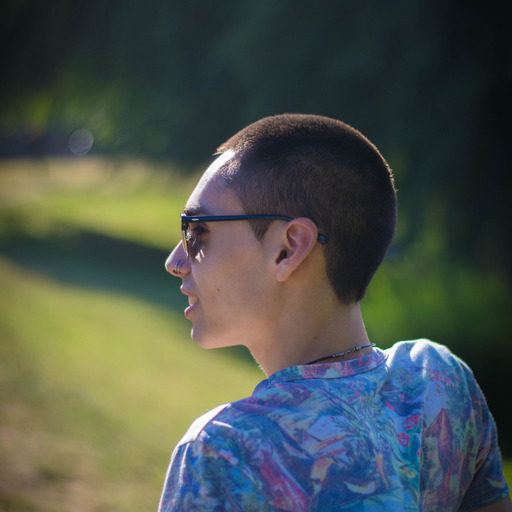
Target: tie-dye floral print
{"points": [[402, 429]]}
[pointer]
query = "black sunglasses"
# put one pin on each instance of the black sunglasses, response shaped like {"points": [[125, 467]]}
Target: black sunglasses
{"points": [[188, 237]]}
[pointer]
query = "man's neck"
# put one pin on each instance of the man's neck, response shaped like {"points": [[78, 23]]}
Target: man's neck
{"points": [[313, 332]]}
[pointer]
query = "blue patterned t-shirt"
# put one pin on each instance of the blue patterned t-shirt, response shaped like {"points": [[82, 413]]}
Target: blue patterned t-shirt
{"points": [[400, 429]]}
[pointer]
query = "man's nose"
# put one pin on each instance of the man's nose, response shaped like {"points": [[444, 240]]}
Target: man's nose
{"points": [[177, 264]]}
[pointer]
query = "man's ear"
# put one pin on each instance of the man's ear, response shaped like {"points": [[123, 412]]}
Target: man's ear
{"points": [[298, 240]]}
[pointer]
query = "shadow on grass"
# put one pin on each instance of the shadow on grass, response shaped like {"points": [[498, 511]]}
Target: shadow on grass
{"points": [[98, 262], [91, 260]]}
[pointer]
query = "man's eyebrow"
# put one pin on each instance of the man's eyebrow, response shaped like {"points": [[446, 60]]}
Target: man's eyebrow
{"points": [[194, 211]]}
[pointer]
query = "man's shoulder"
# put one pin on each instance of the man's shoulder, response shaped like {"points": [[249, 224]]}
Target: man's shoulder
{"points": [[421, 351], [223, 422], [426, 364], [418, 345], [201, 423]]}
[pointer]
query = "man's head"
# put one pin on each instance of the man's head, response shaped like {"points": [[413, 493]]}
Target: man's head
{"points": [[312, 166]]}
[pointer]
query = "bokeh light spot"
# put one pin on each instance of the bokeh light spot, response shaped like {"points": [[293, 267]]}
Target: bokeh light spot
{"points": [[80, 142]]}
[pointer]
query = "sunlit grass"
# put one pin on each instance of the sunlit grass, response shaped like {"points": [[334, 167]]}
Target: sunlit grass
{"points": [[102, 379], [96, 387], [508, 471], [136, 201]]}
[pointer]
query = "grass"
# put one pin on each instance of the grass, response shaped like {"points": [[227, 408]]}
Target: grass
{"points": [[98, 376], [129, 200], [96, 385], [101, 379]]}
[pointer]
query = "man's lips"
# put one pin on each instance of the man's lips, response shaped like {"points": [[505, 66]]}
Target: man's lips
{"points": [[193, 300]]}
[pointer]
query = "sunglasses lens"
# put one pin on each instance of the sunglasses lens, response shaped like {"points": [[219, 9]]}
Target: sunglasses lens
{"points": [[184, 237]]}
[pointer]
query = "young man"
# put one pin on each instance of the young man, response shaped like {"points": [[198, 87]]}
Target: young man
{"points": [[281, 238]]}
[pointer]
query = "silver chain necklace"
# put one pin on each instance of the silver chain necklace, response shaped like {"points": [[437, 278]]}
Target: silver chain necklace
{"points": [[341, 354]]}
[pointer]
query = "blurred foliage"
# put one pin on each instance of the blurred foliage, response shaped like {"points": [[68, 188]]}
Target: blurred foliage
{"points": [[427, 81]]}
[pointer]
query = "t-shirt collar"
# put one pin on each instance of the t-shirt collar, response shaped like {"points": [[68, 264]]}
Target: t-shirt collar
{"points": [[327, 370]]}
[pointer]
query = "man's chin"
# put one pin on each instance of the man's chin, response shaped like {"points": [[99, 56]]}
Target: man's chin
{"points": [[201, 339], [208, 341]]}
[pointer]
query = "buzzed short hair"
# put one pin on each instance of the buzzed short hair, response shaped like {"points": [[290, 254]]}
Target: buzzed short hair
{"points": [[313, 166]]}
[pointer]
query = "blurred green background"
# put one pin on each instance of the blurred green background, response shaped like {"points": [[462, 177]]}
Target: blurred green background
{"points": [[109, 112]]}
